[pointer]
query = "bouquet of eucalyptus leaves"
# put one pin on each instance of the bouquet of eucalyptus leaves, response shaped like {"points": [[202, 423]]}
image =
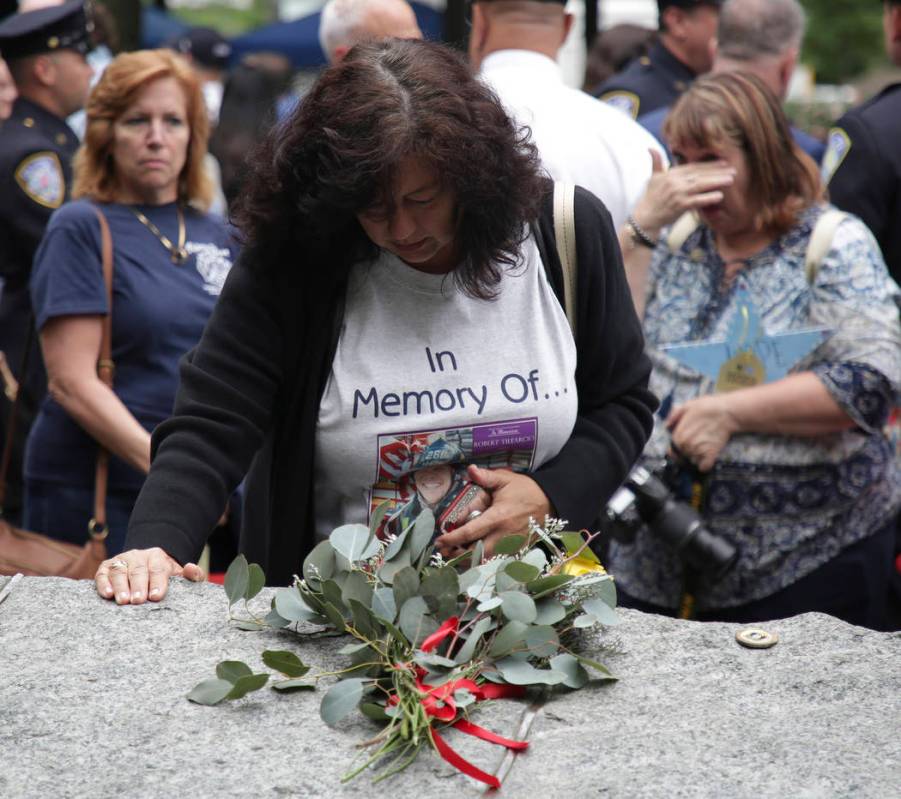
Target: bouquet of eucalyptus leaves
{"points": [[429, 638]]}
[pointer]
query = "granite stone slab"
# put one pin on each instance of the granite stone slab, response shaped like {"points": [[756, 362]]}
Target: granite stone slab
{"points": [[92, 703]]}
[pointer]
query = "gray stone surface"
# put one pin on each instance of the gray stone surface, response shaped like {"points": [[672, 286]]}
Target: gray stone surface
{"points": [[92, 703]]}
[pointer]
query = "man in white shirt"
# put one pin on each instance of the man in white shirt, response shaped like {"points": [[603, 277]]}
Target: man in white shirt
{"points": [[514, 43]]}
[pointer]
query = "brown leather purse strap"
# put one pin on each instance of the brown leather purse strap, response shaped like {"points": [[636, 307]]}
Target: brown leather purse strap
{"points": [[105, 369]]}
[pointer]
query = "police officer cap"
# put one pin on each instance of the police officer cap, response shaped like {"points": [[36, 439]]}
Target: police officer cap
{"points": [[45, 30], [662, 4], [207, 47]]}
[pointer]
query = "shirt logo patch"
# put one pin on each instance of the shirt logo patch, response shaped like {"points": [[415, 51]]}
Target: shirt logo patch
{"points": [[40, 176], [838, 145], [624, 101], [213, 263]]}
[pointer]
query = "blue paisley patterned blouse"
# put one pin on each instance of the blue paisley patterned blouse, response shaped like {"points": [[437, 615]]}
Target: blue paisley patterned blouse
{"points": [[788, 503]]}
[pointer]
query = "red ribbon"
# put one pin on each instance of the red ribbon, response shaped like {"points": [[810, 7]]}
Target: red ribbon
{"points": [[450, 626]]}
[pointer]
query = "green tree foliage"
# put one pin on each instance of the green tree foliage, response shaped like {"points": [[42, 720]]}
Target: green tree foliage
{"points": [[844, 38]]}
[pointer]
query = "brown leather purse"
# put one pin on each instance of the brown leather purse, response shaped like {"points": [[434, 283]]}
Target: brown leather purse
{"points": [[35, 554]]}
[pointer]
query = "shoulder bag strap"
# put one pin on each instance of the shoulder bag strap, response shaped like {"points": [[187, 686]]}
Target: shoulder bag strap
{"points": [[105, 368], [682, 228], [12, 422], [565, 236], [821, 241]]}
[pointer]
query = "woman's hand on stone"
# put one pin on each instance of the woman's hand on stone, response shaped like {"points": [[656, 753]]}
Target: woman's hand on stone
{"points": [[701, 428], [140, 574], [672, 192], [515, 498]]}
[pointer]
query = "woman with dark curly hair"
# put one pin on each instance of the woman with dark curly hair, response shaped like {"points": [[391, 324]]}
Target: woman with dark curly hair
{"points": [[392, 310]]}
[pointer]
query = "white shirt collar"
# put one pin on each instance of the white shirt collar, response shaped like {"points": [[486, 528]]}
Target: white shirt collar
{"points": [[510, 60]]}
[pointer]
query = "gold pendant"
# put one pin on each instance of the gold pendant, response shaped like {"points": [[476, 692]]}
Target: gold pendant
{"points": [[742, 370]]}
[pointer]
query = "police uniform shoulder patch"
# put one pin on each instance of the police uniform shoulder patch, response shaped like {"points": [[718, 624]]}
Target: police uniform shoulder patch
{"points": [[40, 176], [624, 101], [838, 145]]}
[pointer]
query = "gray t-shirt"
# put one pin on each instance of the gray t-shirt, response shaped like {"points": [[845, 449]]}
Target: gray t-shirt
{"points": [[427, 378]]}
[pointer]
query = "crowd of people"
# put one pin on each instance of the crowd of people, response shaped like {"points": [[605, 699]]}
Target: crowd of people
{"points": [[353, 304]]}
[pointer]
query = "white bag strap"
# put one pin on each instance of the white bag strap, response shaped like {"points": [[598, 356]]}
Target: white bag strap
{"points": [[565, 235], [684, 226], [821, 241]]}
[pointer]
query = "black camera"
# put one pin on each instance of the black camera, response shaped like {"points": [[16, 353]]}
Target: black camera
{"points": [[645, 499]]}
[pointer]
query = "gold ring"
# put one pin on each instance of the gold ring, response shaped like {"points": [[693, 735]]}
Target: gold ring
{"points": [[118, 565]]}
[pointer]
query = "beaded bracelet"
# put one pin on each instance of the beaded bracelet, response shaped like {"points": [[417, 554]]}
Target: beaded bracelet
{"points": [[639, 235]]}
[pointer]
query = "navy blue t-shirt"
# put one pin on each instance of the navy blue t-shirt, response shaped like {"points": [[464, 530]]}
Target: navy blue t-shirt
{"points": [[159, 311]]}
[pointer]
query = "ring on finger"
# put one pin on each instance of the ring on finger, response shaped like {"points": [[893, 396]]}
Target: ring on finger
{"points": [[118, 565]]}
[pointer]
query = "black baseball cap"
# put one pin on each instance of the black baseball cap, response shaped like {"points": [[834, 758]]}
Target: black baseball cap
{"points": [[46, 30], [687, 4], [206, 46]]}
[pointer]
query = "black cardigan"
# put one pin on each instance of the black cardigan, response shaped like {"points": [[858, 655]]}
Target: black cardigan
{"points": [[249, 399]]}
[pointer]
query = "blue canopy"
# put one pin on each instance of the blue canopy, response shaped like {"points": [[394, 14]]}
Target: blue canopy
{"points": [[298, 40]]}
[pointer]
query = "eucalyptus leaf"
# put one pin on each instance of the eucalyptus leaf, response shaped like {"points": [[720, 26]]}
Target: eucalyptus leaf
{"points": [[373, 711], [510, 545], [414, 621], [574, 542], [232, 670], [298, 684], [350, 540], [395, 546], [250, 626], [490, 604], [319, 565], [521, 672], [341, 699], [522, 572], [478, 553], [285, 662], [542, 640], [444, 585], [518, 606], [336, 619], [237, 578], [383, 604], [357, 587], [605, 673], [606, 592], [331, 593], [363, 620], [535, 557], [244, 685], [469, 578], [547, 585], [463, 698], [406, 585], [289, 604], [375, 521], [210, 692], [428, 660], [511, 636], [398, 563], [576, 676], [256, 579], [604, 613], [585, 620], [504, 582], [275, 619], [423, 531], [466, 652], [550, 611]]}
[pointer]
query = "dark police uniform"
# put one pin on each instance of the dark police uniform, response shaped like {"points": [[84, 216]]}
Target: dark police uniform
{"points": [[36, 149], [862, 166], [648, 83]]}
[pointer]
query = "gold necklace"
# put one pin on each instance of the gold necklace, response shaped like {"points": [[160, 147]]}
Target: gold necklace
{"points": [[179, 254]]}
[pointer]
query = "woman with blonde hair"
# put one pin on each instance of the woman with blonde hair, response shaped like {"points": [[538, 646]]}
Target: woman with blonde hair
{"points": [[790, 464], [141, 166]]}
